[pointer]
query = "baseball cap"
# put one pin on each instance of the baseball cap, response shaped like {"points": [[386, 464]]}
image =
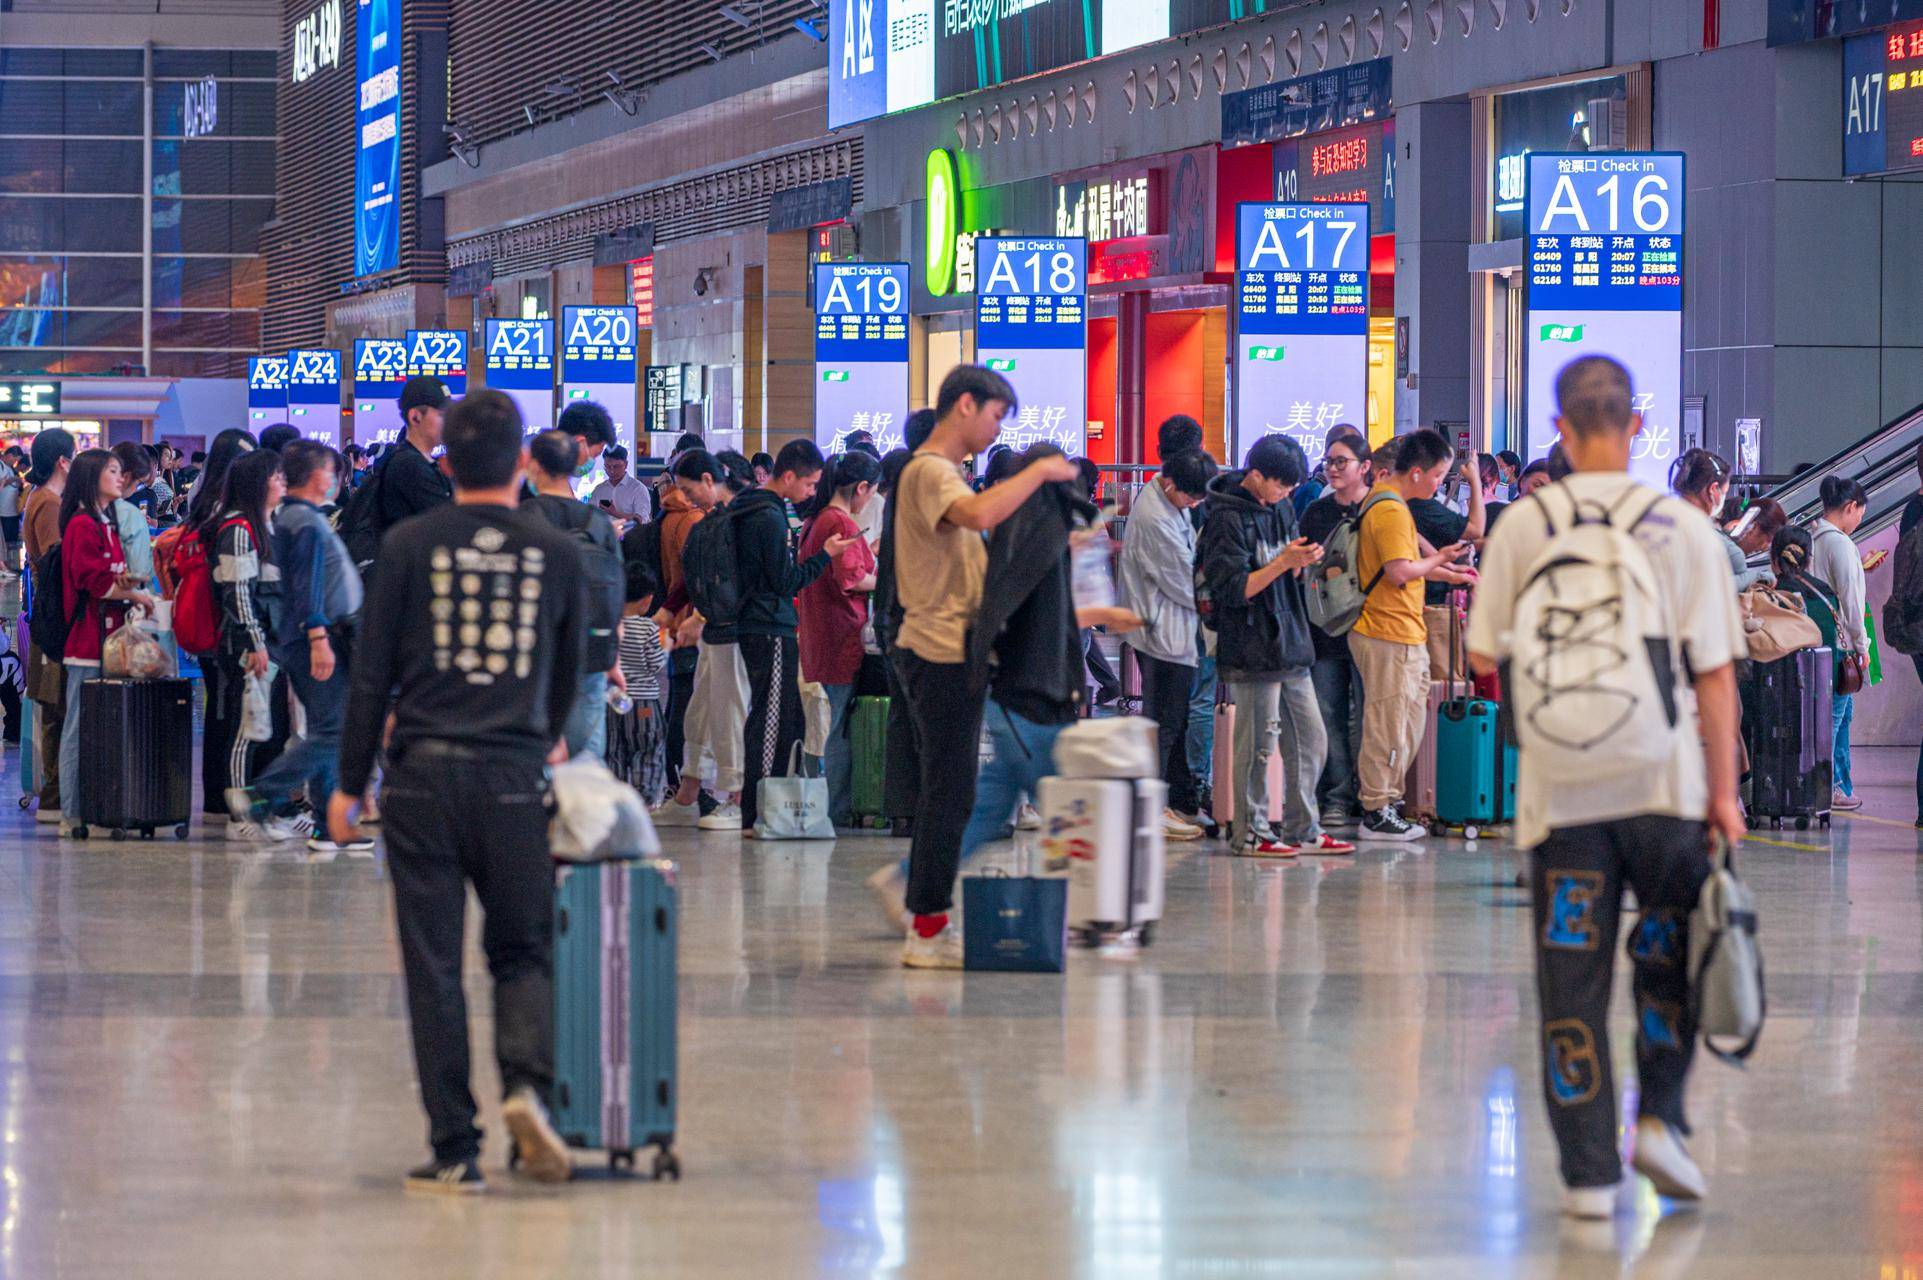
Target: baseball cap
{"points": [[424, 391]]}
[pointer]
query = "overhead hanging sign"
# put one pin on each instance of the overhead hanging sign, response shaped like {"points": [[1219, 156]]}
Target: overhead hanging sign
{"points": [[314, 393], [861, 352], [266, 389], [1031, 326], [598, 362], [1301, 321], [1606, 278], [380, 371], [377, 150], [439, 353], [519, 356]]}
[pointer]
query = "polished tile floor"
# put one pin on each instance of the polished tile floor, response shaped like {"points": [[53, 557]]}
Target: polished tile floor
{"points": [[1325, 1069]]}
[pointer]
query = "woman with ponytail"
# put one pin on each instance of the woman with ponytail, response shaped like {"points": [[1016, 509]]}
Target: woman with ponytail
{"points": [[834, 609], [1701, 479]]}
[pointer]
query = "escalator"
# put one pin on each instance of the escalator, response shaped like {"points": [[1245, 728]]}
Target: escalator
{"points": [[1884, 462]]}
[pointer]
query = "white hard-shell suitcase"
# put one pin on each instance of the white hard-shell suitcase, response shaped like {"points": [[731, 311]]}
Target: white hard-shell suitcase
{"points": [[1105, 835]]}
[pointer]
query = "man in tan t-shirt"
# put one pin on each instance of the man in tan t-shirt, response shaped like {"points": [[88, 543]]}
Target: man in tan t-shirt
{"points": [[939, 565]]}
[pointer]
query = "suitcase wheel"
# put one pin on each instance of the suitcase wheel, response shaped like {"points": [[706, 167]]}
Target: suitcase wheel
{"points": [[1471, 832], [1146, 934], [1802, 824], [1749, 820], [25, 801], [666, 1165], [118, 833], [622, 1160], [80, 833], [180, 832], [1825, 820]]}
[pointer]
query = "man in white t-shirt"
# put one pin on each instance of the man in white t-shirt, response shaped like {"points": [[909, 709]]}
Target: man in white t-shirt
{"points": [[1648, 828], [624, 498]]}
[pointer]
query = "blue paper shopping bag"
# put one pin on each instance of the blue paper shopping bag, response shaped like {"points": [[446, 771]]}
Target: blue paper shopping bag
{"points": [[1015, 924]]}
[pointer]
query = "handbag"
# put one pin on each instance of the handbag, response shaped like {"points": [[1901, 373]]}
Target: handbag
{"points": [[1437, 619], [1852, 669], [596, 817], [1015, 924], [1726, 991], [793, 807], [1775, 624], [1108, 747]]}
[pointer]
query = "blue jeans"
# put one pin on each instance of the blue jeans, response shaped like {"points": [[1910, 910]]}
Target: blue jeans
{"points": [[839, 755], [70, 806], [314, 761], [1024, 754], [1200, 739], [1338, 691], [587, 729], [1842, 716]]}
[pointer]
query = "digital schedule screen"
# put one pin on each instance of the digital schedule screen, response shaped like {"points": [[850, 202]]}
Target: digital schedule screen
{"points": [[380, 367], [1031, 326], [1302, 321], [861, 352], [1605, 264], [314, 377], [439, 353], [598, 344], [267, 383], [1883, 101], [377, 150], [520, 355]]}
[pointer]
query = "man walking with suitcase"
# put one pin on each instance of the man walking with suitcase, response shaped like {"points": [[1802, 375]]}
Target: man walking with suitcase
{"points": [[473, 638], [1614, 610]]}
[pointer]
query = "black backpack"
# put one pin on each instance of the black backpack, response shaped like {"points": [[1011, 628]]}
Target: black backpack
{"points": [[49, 625], [607, 582], [359, 524], [1903, 611], [642, 545], [709, 566]]}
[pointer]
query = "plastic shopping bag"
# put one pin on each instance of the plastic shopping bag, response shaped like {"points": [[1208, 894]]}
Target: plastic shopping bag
{"points": [[256, 708], [136, 650]]}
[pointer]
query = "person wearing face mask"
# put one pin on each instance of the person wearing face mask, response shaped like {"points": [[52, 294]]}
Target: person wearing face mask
{"points": [[593, 430], [313, 641]]}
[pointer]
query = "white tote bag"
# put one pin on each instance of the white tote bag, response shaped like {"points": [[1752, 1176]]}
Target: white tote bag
{"points": [[597, 817], [794, 807], [1108, 747]]}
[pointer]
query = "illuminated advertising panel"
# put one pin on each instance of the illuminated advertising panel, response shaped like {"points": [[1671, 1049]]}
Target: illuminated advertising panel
{"points": [[377, 150], [439, 353], [380, 370], [1605, 260], [1301, 321], [1031, 326], [1883, 101], [520, 363], [861, 352]]}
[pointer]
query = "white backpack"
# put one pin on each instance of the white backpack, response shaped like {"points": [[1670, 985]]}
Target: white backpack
{"points": [[1593, 659]]}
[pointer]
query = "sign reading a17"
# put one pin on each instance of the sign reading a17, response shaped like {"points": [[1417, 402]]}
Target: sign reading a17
{"points": [[1288, 243]]}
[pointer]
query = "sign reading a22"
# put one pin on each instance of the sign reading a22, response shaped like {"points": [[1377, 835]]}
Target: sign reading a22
{"points": [[600, 327], [314, 368], [436, 349]]}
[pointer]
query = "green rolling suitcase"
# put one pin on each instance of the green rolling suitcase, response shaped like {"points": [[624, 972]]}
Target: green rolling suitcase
{"points": [[615, 1083], [868, 727]]}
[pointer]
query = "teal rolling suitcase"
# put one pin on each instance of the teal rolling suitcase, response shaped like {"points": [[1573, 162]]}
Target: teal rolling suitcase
{"points": [[1475, 766], [615, 1082]]}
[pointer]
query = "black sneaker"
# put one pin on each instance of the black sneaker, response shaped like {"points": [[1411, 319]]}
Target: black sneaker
{"points": [[455, 1178], [1386, 824]]}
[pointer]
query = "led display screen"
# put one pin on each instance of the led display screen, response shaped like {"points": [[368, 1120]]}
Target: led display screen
{"points": [[520, 355], [266, 385], [1883, 101], [861, 352], [597, 344], [377, 150], [380, 370], [439, 353], [1031, 326]]}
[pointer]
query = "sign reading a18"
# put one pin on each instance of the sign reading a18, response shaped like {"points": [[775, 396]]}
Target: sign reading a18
{"points": [[1033, 268]]}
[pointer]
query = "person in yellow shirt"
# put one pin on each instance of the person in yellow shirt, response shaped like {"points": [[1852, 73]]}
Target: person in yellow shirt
{"points": [[1389, 641]]}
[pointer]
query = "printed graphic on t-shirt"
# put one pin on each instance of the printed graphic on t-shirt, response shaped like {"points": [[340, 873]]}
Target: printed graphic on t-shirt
{"points": [[484, 606]]}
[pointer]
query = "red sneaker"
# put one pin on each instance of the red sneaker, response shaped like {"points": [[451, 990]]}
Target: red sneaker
{"points": [[1267, 849], [1329, 844]]}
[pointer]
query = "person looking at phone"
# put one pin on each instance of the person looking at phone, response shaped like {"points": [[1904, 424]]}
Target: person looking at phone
{"points": [[623, 497]]}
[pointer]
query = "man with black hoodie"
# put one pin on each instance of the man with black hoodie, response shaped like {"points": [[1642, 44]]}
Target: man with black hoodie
{"points": [[766, 628], [1249, 565]]}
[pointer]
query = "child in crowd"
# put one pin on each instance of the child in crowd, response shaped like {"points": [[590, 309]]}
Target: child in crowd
{"points": [[637, 740]]}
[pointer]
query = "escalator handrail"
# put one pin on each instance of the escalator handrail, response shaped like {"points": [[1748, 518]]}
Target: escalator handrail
{"points": [[1858, 452]]}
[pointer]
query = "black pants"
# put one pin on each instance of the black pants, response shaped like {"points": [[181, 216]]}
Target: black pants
{"points": [[945, 716], [1918, 660], [775, 723], [225, 761], [1108, 685], [680, 690], [901, 763], [1165, 700], [1579, 877], [454, 817]]}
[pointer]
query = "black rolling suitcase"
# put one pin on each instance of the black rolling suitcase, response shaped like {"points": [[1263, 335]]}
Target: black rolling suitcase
{"points": [[1786, 722], [136, 758]]}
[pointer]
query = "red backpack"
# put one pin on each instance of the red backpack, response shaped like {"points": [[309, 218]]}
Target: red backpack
{"points": [[186, 579]]}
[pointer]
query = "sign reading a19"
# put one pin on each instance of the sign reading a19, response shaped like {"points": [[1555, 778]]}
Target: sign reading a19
{"points": [[857, 291]]}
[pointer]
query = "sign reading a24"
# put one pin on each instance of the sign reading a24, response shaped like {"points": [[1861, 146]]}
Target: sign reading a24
{"points": [[314, 368]]}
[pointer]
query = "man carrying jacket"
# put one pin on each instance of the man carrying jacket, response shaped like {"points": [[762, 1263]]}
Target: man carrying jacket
{"points": [[1157, 580], [1249, 566]]}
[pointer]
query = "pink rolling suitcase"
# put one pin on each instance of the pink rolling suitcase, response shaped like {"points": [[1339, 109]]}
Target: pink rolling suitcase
{"points": [[1419, 789]]}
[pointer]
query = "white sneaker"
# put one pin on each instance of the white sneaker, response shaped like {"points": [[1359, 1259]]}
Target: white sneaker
{"points": [[670, 814], [890, 888], [543, 1155], [249, 833], [1845, 802], [943, 951], [1589, 1203], [1027, 818], [726, 817], [1661, 1158], [279, 829], [47, 817], [1176, 827]]}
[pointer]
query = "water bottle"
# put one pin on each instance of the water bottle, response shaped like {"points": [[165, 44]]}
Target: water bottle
{"points": [[619, 702]]}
